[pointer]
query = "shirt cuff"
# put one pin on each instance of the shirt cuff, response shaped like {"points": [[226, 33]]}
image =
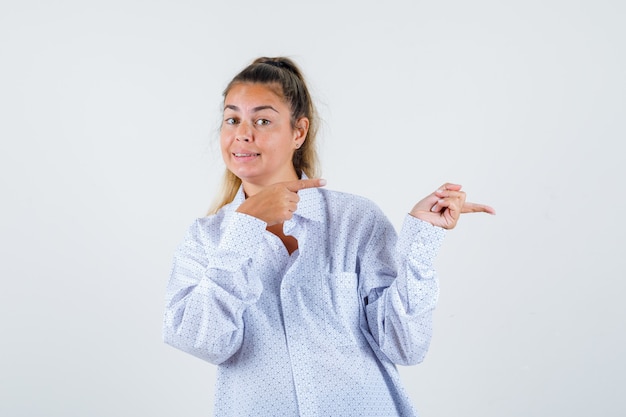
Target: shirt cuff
{"points": [[420, 239], [242, 233]]}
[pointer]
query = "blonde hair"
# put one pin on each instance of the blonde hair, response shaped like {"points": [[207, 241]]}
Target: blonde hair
{"points": [[283, 73]]}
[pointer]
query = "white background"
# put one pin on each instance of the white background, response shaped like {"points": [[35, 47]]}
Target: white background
{"points": [[109, 113]]}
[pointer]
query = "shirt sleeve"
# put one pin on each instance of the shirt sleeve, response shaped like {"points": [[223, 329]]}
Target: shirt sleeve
{"points": [[400, 288], [210, 288]]}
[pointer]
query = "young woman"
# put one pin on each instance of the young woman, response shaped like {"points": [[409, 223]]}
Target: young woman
{"points": [[305, 298]]}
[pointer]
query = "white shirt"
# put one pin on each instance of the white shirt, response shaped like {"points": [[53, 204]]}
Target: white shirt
{"points": [[317, 333]]}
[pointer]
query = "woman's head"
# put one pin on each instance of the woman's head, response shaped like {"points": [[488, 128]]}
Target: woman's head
{"points": [[283, 76], [259, 83]]}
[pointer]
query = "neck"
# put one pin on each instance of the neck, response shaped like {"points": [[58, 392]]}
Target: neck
{"points": [[252, 187]]}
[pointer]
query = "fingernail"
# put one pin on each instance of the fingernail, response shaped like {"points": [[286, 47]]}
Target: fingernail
{"points": [[322, 181], [433, 208]]}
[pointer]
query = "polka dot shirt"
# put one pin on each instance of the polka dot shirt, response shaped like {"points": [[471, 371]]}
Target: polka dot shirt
{"points": [[315, 333]]}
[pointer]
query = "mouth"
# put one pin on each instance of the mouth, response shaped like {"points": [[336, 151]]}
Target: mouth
{"points": [[245, 155]]}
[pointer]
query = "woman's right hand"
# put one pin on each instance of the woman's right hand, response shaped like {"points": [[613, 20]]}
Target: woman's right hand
{"points": [[276, 203]]}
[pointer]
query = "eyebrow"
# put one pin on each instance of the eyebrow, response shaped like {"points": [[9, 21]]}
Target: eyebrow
{"points": [[254, 109]]}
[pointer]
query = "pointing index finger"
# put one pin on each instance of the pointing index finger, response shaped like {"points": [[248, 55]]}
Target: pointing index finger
{"points": [[477, 208], [298, 185]]}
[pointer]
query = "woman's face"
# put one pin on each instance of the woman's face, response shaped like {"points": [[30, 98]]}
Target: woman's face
{"points": [[257, 137]]}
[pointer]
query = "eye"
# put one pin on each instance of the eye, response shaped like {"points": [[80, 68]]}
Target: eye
{"points": [[230, 121], [262, 122]]}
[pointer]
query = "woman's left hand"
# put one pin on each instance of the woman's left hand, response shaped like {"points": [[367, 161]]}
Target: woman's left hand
{"points": [[444, 207]]}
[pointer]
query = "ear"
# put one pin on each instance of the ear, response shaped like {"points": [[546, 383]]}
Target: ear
{"points": [[301, 130]]}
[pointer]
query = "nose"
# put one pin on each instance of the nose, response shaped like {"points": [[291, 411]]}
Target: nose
{"points": [[243, 132]]}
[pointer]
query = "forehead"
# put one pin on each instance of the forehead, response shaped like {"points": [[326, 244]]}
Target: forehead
{"points": [[244, 95]]}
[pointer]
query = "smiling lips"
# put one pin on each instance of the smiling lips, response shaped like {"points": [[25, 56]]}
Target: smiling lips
{"points": [[244, 155]]}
